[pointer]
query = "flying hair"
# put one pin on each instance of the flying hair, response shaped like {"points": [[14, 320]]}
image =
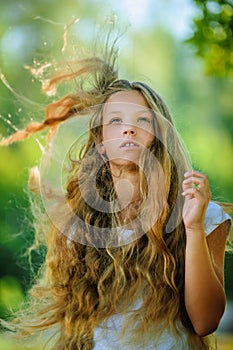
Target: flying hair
{"points": [[81, 285]]}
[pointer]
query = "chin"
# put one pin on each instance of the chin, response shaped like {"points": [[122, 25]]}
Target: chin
{"points": [[133, 162]]}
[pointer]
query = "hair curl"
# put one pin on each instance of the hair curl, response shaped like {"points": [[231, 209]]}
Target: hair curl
{"points": [[82, 285]]}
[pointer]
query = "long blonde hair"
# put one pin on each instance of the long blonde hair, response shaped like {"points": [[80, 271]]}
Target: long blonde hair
{"points": [[82, 285]]}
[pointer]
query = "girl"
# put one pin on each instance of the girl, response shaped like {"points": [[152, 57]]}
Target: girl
{"points": [[135, 249]]}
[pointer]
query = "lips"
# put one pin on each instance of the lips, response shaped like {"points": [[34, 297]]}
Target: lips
{"points": [[129, 144]]}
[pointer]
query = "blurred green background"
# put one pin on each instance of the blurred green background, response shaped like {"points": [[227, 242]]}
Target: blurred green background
{"points": [[182, 48]]}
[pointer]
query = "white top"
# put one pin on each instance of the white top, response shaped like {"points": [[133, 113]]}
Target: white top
{"points": [[108, 338], [215, 216]]}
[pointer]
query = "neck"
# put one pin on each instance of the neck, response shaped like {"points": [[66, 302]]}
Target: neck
{"points": [[123, 171], [126, 183]]}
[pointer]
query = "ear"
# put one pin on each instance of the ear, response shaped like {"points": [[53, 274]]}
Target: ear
{"points": [[100, 148]]}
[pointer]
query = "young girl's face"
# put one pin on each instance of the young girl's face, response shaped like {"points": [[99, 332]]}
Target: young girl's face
{"points": [[127, 127]]}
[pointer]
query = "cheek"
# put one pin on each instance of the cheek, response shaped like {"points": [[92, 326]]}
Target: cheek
{"points": [[107, 141], [110, 133], [106, 134], [148, 138]]}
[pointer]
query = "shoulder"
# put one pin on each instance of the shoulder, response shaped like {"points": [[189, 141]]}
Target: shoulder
{"points": [[217, 228], [215, 216]]}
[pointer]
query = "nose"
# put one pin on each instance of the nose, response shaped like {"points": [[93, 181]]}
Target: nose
{"points": [[129, 130]]}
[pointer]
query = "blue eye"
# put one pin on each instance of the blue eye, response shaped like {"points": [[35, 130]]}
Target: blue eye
{"points": [[144, 120]]}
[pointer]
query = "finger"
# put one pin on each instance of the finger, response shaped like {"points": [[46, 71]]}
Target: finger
{"points": [[192, 192], [195, 174], [195, 192], [195, 180]]}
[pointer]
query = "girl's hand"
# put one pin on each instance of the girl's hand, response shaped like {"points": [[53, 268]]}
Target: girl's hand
{"points": [[196, 191]]}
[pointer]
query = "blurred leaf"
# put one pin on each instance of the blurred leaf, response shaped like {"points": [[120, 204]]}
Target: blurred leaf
{"points": [[213, 36], [11, 294]]}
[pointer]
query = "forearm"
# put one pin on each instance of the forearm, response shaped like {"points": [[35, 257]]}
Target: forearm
{"points": [[204, 293]]}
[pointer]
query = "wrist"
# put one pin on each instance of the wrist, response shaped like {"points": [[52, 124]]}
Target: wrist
{"points": [[195, 230]]}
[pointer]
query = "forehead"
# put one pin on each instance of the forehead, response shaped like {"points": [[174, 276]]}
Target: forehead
{"points": [[125, 99]]}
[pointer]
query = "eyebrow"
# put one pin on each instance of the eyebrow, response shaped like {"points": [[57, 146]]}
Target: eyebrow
{"points": [[146, 110], [113, 112]]}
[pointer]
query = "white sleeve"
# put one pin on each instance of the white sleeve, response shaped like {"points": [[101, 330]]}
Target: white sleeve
{"points": [[215, 215]]}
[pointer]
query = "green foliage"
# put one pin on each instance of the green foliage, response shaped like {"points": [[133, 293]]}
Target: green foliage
{"points": [[7, 344], [213, 35], [11, 293]]}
